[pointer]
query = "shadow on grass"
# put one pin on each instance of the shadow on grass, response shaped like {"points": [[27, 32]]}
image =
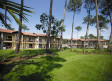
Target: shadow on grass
{"points": [[37, 69]]}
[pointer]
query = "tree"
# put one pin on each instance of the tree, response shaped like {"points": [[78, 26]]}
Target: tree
{"points": [[78, 28], [20, 29], [102, 23], [82, 37], [89, 6], [97, 21], [106, 10], [74, 6], [65, 41], [24, 27], [91, 36], [57, 29], [101, 37], [44, 19], [56, 25], [61, 41], [13, 9], [49, 27]]}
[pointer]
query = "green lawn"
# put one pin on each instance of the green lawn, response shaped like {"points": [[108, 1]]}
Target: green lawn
{"points": [[65, 66]]}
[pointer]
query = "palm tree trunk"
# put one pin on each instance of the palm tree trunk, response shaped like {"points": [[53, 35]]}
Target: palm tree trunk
{"points": [[19, 32], [61, 42], [72, 30], [98, 36], [49, 28], [110, 40]]}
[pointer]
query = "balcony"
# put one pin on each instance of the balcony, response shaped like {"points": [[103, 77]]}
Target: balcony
{"points": [[31, 40], [8, 39], [42, 42]]}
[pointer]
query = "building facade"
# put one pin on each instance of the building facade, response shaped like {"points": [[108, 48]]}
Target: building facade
{"points": [[8, 40], [90, 43]]}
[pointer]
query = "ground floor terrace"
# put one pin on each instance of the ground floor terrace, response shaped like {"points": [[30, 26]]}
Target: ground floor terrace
{"points": [[27, 45]]}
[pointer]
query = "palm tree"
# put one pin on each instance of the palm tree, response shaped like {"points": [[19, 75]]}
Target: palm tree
{"points": [[13, 9], [56, 29], [61, 42], [20, 29], [49, 27], [78, 28], [97, 21]]}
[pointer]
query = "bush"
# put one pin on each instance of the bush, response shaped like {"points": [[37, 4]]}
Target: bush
{"points": [[30, 53], [64, 48]]}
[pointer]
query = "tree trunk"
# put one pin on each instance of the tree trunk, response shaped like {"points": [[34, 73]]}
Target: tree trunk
{"points": [[19, 32], [72, 30], [5, 10], [98, 36], [61, 42], [77, 34], [49, 27], [54, 43], [110, 40], [87, 31], [25, 41]]}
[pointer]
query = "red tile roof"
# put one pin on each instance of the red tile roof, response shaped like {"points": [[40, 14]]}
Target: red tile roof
{"points": [[40, 34], [86, 40], [58, 37], [92, 40], [30, 34], [6, 30], [73, 39]]}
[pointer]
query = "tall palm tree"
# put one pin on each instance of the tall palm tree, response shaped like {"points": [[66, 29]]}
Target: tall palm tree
{"points": [[97, 21], [20, 29], [49, 27], [61, 42]]}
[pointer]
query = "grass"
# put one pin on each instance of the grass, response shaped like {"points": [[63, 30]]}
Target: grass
{"points": [[64, 66], [9, 54]]}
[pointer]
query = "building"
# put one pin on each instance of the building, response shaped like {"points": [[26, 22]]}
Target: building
{"points": [[8, 40], [90, 43]]}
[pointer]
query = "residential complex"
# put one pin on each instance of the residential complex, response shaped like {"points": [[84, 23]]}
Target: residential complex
{"points": [[90, 43], [8, 40]]}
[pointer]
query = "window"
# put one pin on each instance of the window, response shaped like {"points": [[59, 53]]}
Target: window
{"points": [[9, 38], [40, 40], [40, 46], [30, 45]]}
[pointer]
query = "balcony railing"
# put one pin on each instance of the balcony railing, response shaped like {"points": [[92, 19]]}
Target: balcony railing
{"points": [[8, 39], [54, 42], [31, 47], [31, 41]]}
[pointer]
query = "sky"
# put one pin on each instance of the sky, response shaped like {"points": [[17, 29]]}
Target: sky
{"points": [[42, 6]]}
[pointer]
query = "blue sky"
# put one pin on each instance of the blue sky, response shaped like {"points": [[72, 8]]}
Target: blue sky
{"points": [[42, 6]]}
